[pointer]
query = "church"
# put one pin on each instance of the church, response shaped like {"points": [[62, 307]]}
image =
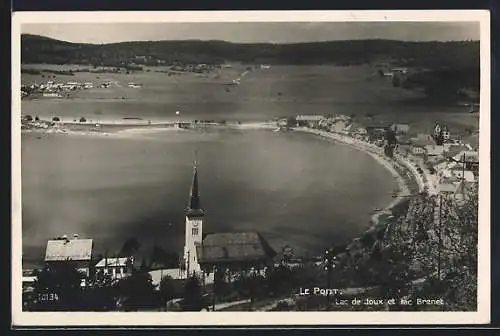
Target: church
{"points": [[204, 253]]}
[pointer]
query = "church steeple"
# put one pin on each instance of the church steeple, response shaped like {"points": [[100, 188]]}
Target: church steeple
{"points": [[194, 207]]}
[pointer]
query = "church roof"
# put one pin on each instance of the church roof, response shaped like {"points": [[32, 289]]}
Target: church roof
{"points": [[194, 206], [234, 247]]}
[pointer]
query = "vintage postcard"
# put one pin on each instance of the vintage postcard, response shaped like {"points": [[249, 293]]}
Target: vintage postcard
{"points": [[251, 168]]}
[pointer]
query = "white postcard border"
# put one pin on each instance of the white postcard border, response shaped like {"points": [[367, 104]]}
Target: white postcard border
{"points": [[20, 318]]}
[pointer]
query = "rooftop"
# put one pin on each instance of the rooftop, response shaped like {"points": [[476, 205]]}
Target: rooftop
{"points": [[434, 149], [422, 142], [112, 262], [234, 247], [68, 249], [309, 117]]}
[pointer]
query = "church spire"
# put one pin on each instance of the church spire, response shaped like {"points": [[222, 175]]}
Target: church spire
{"points": [[194, 206]]}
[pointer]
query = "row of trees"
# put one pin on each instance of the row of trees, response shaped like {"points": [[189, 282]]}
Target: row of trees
{"points": [[37, 49]]}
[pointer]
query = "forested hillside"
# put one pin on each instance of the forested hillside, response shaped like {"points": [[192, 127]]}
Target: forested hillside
{"points": [[37, 49]]}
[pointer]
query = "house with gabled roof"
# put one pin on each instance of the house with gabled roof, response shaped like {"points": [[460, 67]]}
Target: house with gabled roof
{"points": [[115, 267], [400, 128], [235, 250], [74, 251], [418, 144], [434, 150]]}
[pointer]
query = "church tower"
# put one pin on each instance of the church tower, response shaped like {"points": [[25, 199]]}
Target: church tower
{"points": [[194, 226]]}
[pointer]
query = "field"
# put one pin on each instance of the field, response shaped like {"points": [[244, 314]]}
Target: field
{"points": [[263, 94]]}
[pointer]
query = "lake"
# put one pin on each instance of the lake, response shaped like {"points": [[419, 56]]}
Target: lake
{"points": [[294, 188]]}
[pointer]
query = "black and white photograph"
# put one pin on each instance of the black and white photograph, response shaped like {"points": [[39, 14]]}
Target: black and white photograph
{"points": [[241, 162]]}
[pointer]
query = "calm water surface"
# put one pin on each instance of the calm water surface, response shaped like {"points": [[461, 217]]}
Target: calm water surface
{"points": [[294, 188]]}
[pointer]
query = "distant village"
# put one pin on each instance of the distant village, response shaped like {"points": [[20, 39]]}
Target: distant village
{"points": [[52, 89]]}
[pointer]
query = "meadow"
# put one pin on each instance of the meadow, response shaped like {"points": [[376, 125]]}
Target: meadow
{"points": [[263, 94]]}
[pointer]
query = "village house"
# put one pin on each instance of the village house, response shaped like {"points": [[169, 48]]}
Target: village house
{"points": [[339, 126], [403, 149], [471, 159], [439, 165], [116, 268], [447, 187], [51, 95], [76, 251], [456, 190], [453, 150], [400, 128], [434, 150], [28, 280], [398, 70], [342, 117], [464, 175], [455, 174], [376, 133], [356, 130], [416, 149], [282, 122], [418, 144], [309, 120], [174, 274]]}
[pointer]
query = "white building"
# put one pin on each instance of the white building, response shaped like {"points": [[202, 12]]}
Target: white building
{"points": [[417, 150], [309, 118], [117, 268], [339, 126], [434, 150], [51, 95], [466, 175]]}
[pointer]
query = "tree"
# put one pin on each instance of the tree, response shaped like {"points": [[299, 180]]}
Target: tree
{"points": [[82, 120], [58, 287], [291, 122], [167, 289], [56, 119], [389, 150], [137, 291], [278, 280], [130, 246], [390, 136], [439, 138], [193, 300], [396, 81], [102, 293], [286, 254]]}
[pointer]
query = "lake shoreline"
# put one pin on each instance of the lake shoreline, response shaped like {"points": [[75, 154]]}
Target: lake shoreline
{"points": [[377, 154], [117, 128]]}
